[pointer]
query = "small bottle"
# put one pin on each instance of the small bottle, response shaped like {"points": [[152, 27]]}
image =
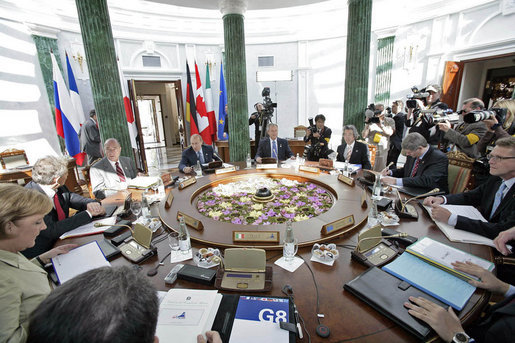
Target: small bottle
{"points": [[373, 215], [198, 169], [377, 187], [145, 206], [184, 237], [289, 246], [249, 161]]}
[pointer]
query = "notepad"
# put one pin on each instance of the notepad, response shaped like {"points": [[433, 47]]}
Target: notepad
{"points": [[143, 182]]}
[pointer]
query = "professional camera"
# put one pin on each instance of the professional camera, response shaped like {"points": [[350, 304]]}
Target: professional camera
{"points": [[372, 114], [475, 116], [312, 125], [268, 104], [436, 115], [417, 94]]}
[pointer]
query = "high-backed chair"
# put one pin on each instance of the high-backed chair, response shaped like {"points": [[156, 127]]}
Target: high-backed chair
{"points": [[12, 158], [460, 172], [372, 152], [299, 131]]}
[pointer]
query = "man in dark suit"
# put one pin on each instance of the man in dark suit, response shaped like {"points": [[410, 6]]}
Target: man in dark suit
{"points": [[92, 138], [425, 166], [254, 119], [273, 146], [352, 151], [48, 177], [399, 118], [113, 172], [196, 152], [495, 198]]}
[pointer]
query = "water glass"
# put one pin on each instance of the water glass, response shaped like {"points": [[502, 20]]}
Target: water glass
{"points": [[136, 208], [290, 250], [173, 241]]}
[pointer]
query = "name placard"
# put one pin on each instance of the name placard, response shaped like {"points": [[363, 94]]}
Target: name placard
{"points": [[188, 182], [266, 166], [190, 221], [256, 236], [309, 169], [337, 225], [347, 180], [225, 170], [364, 199], [169, 200]]}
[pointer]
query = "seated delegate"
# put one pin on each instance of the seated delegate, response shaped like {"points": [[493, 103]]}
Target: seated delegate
{"points": [[494, 199], [425, 167], [113, 172], [272, 146], [353, 151], [198, 151], [23, 283], [48, 177]]}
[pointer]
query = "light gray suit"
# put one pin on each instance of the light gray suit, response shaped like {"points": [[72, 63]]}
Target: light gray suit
{"points": [[103, 175]]}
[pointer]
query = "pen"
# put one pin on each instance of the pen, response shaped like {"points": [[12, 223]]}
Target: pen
{"points": [[297, 319]]}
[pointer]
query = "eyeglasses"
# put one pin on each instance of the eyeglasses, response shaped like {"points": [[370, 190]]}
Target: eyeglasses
{"points": [[498, 158]]}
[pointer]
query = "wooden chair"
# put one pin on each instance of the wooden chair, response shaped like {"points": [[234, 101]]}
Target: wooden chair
{"points": [[12, 158], [299, 131], [460, 172], [372, 153]]}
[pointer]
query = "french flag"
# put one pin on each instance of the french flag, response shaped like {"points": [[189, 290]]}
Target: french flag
{"points": [[74, 92], [67, 121]]}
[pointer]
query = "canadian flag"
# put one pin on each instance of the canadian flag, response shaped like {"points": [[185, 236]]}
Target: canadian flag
{"points": [[133, 131], [202, 117]]}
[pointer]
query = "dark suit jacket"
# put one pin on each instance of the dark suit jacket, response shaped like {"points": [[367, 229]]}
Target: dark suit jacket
{"points": [[189, 156], [283, 149], [432, 171], [498, 325], [257, 128], [396, 138], [359, 155], [55, 228], [92, 146], [482, 197]]}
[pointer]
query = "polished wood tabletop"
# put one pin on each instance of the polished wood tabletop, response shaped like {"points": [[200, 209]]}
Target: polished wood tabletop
{"points": [[349, 319]]}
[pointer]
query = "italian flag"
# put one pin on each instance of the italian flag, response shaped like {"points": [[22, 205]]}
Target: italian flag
{"points": [[239, 235], [209, 106]]}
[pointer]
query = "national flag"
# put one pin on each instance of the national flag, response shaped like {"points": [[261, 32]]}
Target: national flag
{"points": [[191, 111], [209, 106], [74, 93], [133, 131], [66, 119], [222, 102], [202, 119]]}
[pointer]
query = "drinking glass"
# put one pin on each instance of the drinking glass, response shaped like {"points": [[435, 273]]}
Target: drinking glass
{"points": [[290, 250], [173, 241], [136, 208]]}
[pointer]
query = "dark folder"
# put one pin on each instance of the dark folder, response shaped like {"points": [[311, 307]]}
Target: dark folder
{"points": [[387, 294]]}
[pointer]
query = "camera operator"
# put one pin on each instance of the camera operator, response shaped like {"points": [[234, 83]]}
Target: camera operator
{"points": [[319, 136], [255, 119], [466, 135], [496, 129], [399, 117], [377, 131]]}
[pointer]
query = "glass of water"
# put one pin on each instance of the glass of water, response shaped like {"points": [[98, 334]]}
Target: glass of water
{"points": [[136, 208], [173, 241], [290, 250]]}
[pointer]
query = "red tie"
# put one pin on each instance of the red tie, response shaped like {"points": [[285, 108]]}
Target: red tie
{"points": [[119, 172], [58, 208], [415, 167]]}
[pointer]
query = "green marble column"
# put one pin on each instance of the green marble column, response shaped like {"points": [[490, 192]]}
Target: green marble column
{"points": [[236, 79], [356, 65], [103, 71]]}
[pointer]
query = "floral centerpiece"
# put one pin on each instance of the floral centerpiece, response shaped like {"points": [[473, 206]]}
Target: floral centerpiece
{"points": [[292, 200]]}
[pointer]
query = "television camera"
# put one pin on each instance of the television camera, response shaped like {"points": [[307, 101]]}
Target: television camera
{"points": [[417, 94], [265, 116], [372, 114]]}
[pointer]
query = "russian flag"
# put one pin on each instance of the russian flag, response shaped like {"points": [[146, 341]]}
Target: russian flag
{"points": [[67, 121]]}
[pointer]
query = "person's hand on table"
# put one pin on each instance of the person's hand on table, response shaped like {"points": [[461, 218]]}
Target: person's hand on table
{"points": [[187, 170], [62, 249], [501, 240], [444, 126], [95, 209], [389, 180], [487, 280], [444, 322], [212, 337], [258, 159], [441, 214], [431, 201]]}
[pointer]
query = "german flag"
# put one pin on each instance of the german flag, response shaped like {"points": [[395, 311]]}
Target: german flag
{"points": [[191, 110]]}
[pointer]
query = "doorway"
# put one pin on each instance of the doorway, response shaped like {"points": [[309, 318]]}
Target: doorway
{"points": [[151, 118]]}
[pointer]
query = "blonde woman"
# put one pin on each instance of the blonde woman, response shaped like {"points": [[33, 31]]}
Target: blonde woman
{"points": [[23, 283], [496, 130]]}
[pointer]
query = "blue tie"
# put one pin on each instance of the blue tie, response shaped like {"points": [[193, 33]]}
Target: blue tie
{"points": [[498, 198], [274, 149], [200, 157]]}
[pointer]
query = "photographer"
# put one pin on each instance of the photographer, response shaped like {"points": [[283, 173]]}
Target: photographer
{"points": [[319, 136], [465, 136], [396, 139], [255, 119], [496, 129], [377, 131]]}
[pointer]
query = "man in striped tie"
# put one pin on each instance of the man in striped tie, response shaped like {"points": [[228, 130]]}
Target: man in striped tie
{"points": [[495, 198]]}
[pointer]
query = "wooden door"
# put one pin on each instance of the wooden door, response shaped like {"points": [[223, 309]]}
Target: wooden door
{"points": [[451, 83]]}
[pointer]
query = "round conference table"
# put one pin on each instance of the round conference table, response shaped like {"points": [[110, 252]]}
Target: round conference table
{"points": [[349, 319]]}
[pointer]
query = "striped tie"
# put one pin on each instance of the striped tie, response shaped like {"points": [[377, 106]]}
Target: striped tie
{"points": [[415, 167], [274, 149], [119, 172], [349, 153]]}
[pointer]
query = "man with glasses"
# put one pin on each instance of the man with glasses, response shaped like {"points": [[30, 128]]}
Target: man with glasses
{"points": [[495, 198], [425, 167]]}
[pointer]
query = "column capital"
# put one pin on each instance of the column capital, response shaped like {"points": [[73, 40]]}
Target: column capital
{"points": [[232, 6]]}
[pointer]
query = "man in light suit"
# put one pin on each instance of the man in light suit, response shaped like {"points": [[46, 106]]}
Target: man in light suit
{"points": [[272, 146], [92, 138], [48, 177], [495, 198], [425, 167], [196, 152], [113, 172], [352, 151]]}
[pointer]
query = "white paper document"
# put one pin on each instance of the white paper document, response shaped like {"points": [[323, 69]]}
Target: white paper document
{"points": [[79, 260], [143, 182], [90, 229], [185, 313], [456, 235]]}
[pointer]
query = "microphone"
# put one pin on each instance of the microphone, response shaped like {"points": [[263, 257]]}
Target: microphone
{"points": [[436, 190], [102, 225]]}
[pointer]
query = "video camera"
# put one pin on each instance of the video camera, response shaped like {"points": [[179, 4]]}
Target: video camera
{"points": [[437, 115], [312, 125], [417, 94], [372, 114], [476, 116], [268, 104]]}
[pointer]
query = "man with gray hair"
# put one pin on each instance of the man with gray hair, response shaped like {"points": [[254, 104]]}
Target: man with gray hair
{"points": [[273, 146], [352, 151], [48, 177], [425, 167]]}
